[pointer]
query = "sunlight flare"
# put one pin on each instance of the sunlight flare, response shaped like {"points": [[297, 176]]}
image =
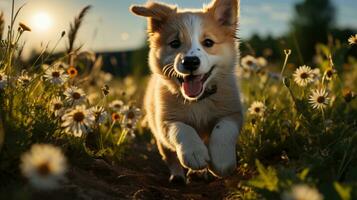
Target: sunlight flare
{"points": [[42, 21]]}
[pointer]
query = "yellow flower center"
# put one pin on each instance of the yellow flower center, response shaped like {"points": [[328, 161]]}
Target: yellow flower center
{"points": [[56, 74], [304, 75], [44, 169], [250, 63], [321, 99], [115, 116], [131, 115], [257, 110], [76, 95], [329, 73], [57, 106], [78, 117], [129, 126]]}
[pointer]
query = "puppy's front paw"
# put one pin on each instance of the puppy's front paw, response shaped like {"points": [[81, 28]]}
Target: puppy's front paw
{"points": [[223, 159], [193, 156]]}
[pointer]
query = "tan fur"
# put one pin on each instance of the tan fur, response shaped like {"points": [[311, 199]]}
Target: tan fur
{"points": [[164, 103]]}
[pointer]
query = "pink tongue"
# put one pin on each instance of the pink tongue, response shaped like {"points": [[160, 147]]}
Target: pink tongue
{"points": [[192, 86]]}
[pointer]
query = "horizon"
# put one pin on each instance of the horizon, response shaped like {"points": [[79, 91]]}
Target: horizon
{"points": [[110, 26]]}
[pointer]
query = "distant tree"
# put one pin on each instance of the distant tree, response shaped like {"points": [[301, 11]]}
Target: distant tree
{"points": [[311, 24]]}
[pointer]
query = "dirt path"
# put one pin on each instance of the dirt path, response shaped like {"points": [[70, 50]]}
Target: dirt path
{"points": [[141, 175]]}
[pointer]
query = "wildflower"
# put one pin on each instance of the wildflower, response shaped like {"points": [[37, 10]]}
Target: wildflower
{"points": [[257, 108], [115, 116], [262, 62], [243, 73], [78, 121], [72, 72], [302, 192], [303, 76], [131, 113], [105, 90], [57, 106], [116, 105], [24, 80], [45, 67], [316, 74], [55, 75], [100, 114], [319, 99], [353, 40], [24, 27], [329, 73], [250, 63], [3, 80], [74, 95], [44, 165], [129, 126], [348, 95]]}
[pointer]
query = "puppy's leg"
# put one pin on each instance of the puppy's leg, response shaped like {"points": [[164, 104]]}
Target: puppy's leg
{"points": [[177, 174], [190, 149], [222, 147]]}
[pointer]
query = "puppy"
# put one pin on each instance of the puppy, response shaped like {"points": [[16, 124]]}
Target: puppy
{"points": [[192, 101]]}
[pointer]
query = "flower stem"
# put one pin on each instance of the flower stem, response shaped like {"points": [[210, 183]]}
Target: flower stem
{"points": [[287, 53]]}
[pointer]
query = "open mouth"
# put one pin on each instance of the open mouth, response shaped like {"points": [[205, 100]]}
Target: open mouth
{"points": [[193, 85]]}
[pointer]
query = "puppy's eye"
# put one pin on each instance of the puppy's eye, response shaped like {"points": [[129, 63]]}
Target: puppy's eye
{"points": [[208, 43], [175, 44]]}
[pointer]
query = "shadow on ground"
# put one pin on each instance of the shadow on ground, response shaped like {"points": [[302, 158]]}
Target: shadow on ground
{"points": [[141, 175]]}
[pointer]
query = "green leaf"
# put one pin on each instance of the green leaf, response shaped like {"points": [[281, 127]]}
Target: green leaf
{"points": [[343, 191], [267, 178], [303, 174]]}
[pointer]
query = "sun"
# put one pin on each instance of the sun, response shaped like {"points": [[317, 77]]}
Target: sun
{"points": [[42, 21]]}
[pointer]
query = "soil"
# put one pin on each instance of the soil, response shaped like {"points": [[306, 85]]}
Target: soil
{"points": [[141, 175]]}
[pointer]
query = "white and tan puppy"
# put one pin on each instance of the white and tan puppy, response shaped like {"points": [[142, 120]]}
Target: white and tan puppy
{"points": [[192, 102]]}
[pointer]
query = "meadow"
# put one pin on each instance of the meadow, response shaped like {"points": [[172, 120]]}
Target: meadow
{"points": [[63, 113]]}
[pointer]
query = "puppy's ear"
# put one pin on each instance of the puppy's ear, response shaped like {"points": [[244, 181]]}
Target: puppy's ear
{"points": [[226, 12], [156, 13]]}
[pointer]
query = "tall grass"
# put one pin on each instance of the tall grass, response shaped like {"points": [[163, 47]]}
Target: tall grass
{"points": [[54, 101]]}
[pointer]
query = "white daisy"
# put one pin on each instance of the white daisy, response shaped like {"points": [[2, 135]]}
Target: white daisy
{"points": [[352, 40], [302, 192], [99, 113], [3, 80], [56, 75], [257, 108], [316, 74], [249, 63], [243, 73], [329, 73], [262, 62], [129, 126], [131, 113], [116, 105], [44, 165], [303, 76], [24, 80], [74, 95], [78, 121], [57, 107], [319, 99]]}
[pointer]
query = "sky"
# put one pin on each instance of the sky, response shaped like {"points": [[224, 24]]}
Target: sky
{"points": [[110, 26]]}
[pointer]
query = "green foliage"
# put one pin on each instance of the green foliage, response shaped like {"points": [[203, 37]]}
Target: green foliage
{"points": [[301, 144], [29, 115]]}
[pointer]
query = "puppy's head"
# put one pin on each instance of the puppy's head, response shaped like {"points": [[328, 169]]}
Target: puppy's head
{"points": [[191, 49]]}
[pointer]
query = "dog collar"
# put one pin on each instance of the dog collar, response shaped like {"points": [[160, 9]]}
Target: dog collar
{"points": [[209, 92]]}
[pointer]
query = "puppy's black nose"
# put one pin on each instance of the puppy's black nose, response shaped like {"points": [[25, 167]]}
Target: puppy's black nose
{"points": [[191, 63]]}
